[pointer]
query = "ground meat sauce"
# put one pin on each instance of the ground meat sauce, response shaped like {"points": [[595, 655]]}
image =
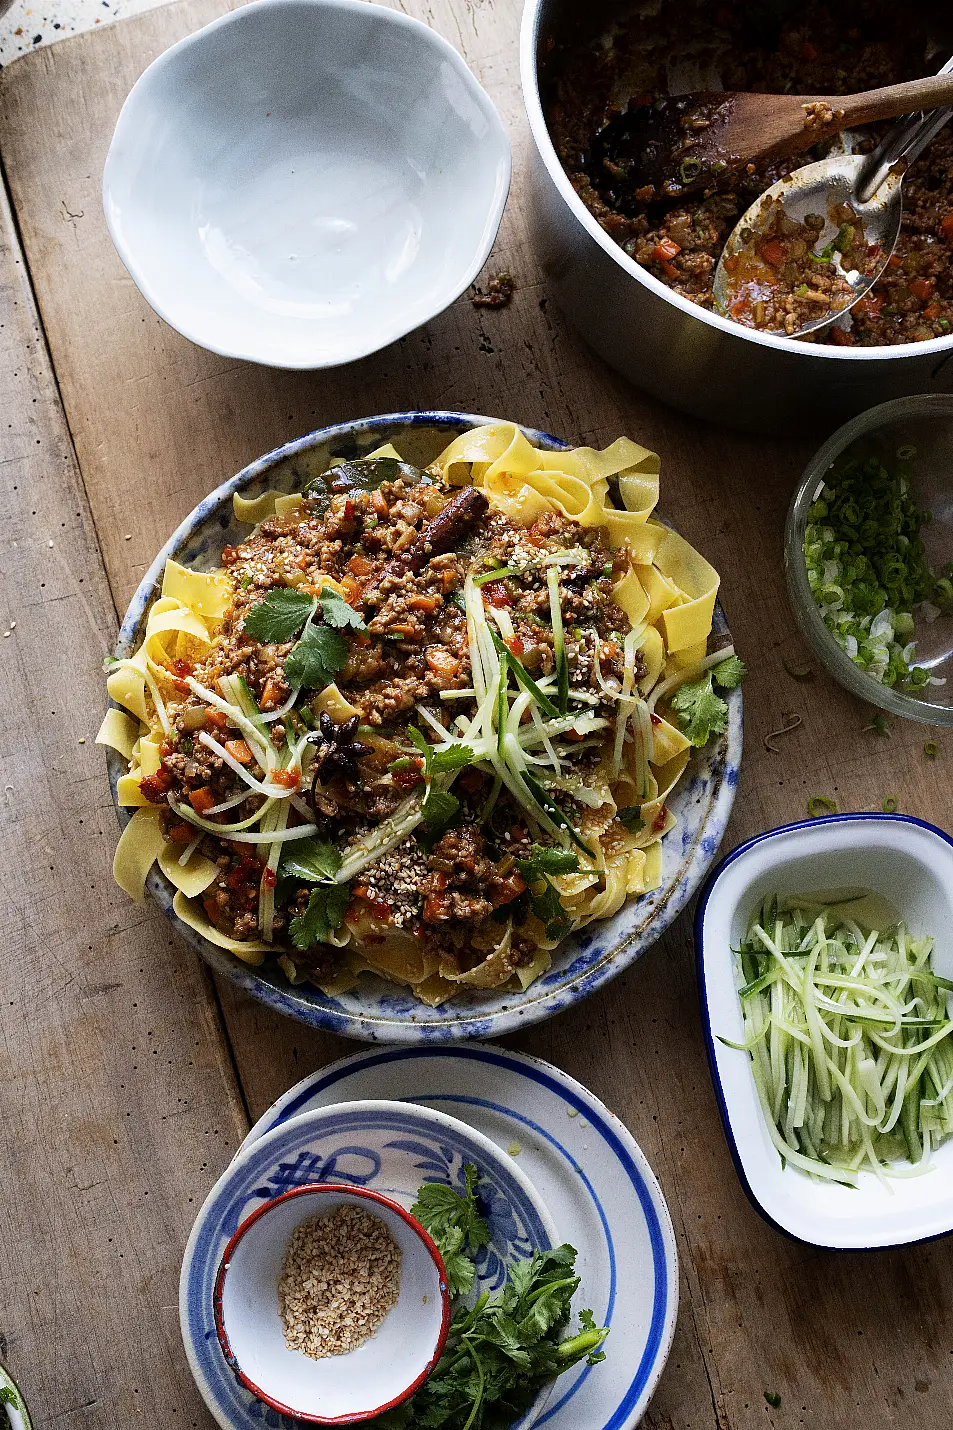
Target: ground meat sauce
{"points": [[414, 646], [783, 48]]}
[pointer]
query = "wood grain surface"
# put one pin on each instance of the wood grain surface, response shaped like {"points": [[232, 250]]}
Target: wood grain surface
{"points": [[124, 1069]]}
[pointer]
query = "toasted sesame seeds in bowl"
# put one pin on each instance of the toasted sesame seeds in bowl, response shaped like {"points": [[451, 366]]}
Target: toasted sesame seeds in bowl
{"points": [[331, 1303]]}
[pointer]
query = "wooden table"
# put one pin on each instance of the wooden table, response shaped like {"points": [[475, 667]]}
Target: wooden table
{"points": [[128, 1074]]}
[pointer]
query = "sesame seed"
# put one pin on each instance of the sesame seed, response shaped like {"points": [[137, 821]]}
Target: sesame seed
{"points": [[339, 1278]]}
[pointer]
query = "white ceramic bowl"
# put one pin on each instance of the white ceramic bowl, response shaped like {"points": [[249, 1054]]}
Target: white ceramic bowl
{"points": [[382, 1372], [385, 1148], [302, 182], [911, 864]]}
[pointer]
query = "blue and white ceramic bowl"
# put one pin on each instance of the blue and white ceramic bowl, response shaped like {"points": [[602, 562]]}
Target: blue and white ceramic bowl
{"points": [[376, 1010], [387, 1147], [910, 864]]}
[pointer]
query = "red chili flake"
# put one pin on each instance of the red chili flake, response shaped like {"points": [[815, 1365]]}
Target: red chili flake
{"points": [[660, 819], [809, 51], [156, 787], [349, 510], [516, 646], [269, 878], [182, 668], [496, 594], [655, 719]]}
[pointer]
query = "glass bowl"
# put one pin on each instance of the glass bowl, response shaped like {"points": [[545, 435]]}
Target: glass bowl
{"points": [[926, 424]]}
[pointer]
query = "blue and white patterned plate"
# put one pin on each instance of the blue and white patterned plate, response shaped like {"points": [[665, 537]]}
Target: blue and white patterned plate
{"points": [[383, 1012], [588, 1169], [385, 1145]]}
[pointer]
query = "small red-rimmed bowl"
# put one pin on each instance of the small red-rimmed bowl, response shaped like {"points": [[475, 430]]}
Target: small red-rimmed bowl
{"points": [[339, 1389]]}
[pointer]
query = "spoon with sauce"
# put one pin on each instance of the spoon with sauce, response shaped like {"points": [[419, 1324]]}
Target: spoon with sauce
{"points": [[817, 240], [663, 147]]}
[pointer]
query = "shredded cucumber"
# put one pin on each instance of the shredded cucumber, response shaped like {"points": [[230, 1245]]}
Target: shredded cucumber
{"points": [[850, 1040]]}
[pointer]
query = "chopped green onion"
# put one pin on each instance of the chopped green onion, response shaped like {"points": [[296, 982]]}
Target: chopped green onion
{"points": [[689, 169], [819, 805], [773, 1398], [798, 672], [891, 804], [931, 749], [879, 726]]}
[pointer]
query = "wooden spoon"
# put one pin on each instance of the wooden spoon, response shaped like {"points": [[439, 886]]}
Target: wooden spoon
{"points": [[679, 144]]}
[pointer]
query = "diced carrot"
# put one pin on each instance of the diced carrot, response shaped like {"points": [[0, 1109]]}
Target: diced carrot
{"points": [[182, 833], [870, 305], [670, 270], [351, 588], [289, 778], [303, 561], [894, 261], [270, 696], [515, 645], [202, 800], [573, 735], [773, 253], [379, 503], [946, 225], [511, 888], [218, 718], [441, 661], [360, 565], [922, 288], [665, 249], [495, 593], [842, 338], [931, 311], [731, 263], [423, 603], [239, 751]]}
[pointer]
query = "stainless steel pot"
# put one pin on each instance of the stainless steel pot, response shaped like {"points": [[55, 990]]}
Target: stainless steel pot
{"points": [[679, 352]]}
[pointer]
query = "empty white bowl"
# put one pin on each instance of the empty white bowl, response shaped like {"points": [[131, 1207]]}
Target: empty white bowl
{"points": [[911, 864], [302, 182], [382, 1372]]}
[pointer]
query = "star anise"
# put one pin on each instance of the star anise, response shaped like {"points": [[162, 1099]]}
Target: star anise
{"points": [[337, 751]]}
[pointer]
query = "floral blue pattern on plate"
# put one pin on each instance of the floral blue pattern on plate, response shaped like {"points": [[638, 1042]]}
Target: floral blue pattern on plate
{"points": [[591, 1174], [383, 1012], [383, 1145]]}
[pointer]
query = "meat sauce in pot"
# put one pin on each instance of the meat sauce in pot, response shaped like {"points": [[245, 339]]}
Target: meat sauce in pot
{"points": [[793, 48]]}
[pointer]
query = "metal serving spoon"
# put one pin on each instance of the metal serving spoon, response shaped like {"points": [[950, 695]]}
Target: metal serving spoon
{"points": [[870, 184]]}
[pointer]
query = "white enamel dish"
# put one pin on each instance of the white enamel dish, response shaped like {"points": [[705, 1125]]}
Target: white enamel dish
{"points": [[302, 182], [911, 864]]}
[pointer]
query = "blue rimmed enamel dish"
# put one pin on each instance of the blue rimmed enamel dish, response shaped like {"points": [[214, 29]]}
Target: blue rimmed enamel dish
{"points": [[383, 1012], [909, 863], [586, 1167]]}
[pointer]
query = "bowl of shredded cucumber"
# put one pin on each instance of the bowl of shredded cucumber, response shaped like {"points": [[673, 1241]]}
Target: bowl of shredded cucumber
{"points": [[869, 557], [825, 955]]}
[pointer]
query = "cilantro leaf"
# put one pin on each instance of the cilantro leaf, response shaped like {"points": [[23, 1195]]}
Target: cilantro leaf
{"points": [[438, 762], [439, 808], [316, 860], [548, 908], [454, 1221], [337, 612], [279, 617], [631, 816], [730, 673], [316, 659], [543, 860], [700, 712], [325, 913]]}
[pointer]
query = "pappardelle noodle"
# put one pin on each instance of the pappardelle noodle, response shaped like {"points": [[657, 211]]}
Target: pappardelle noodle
{"points": [[422, 724]]}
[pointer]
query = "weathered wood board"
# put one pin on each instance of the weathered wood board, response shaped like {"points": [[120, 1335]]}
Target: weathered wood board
{"points": [[120, 1057]]}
